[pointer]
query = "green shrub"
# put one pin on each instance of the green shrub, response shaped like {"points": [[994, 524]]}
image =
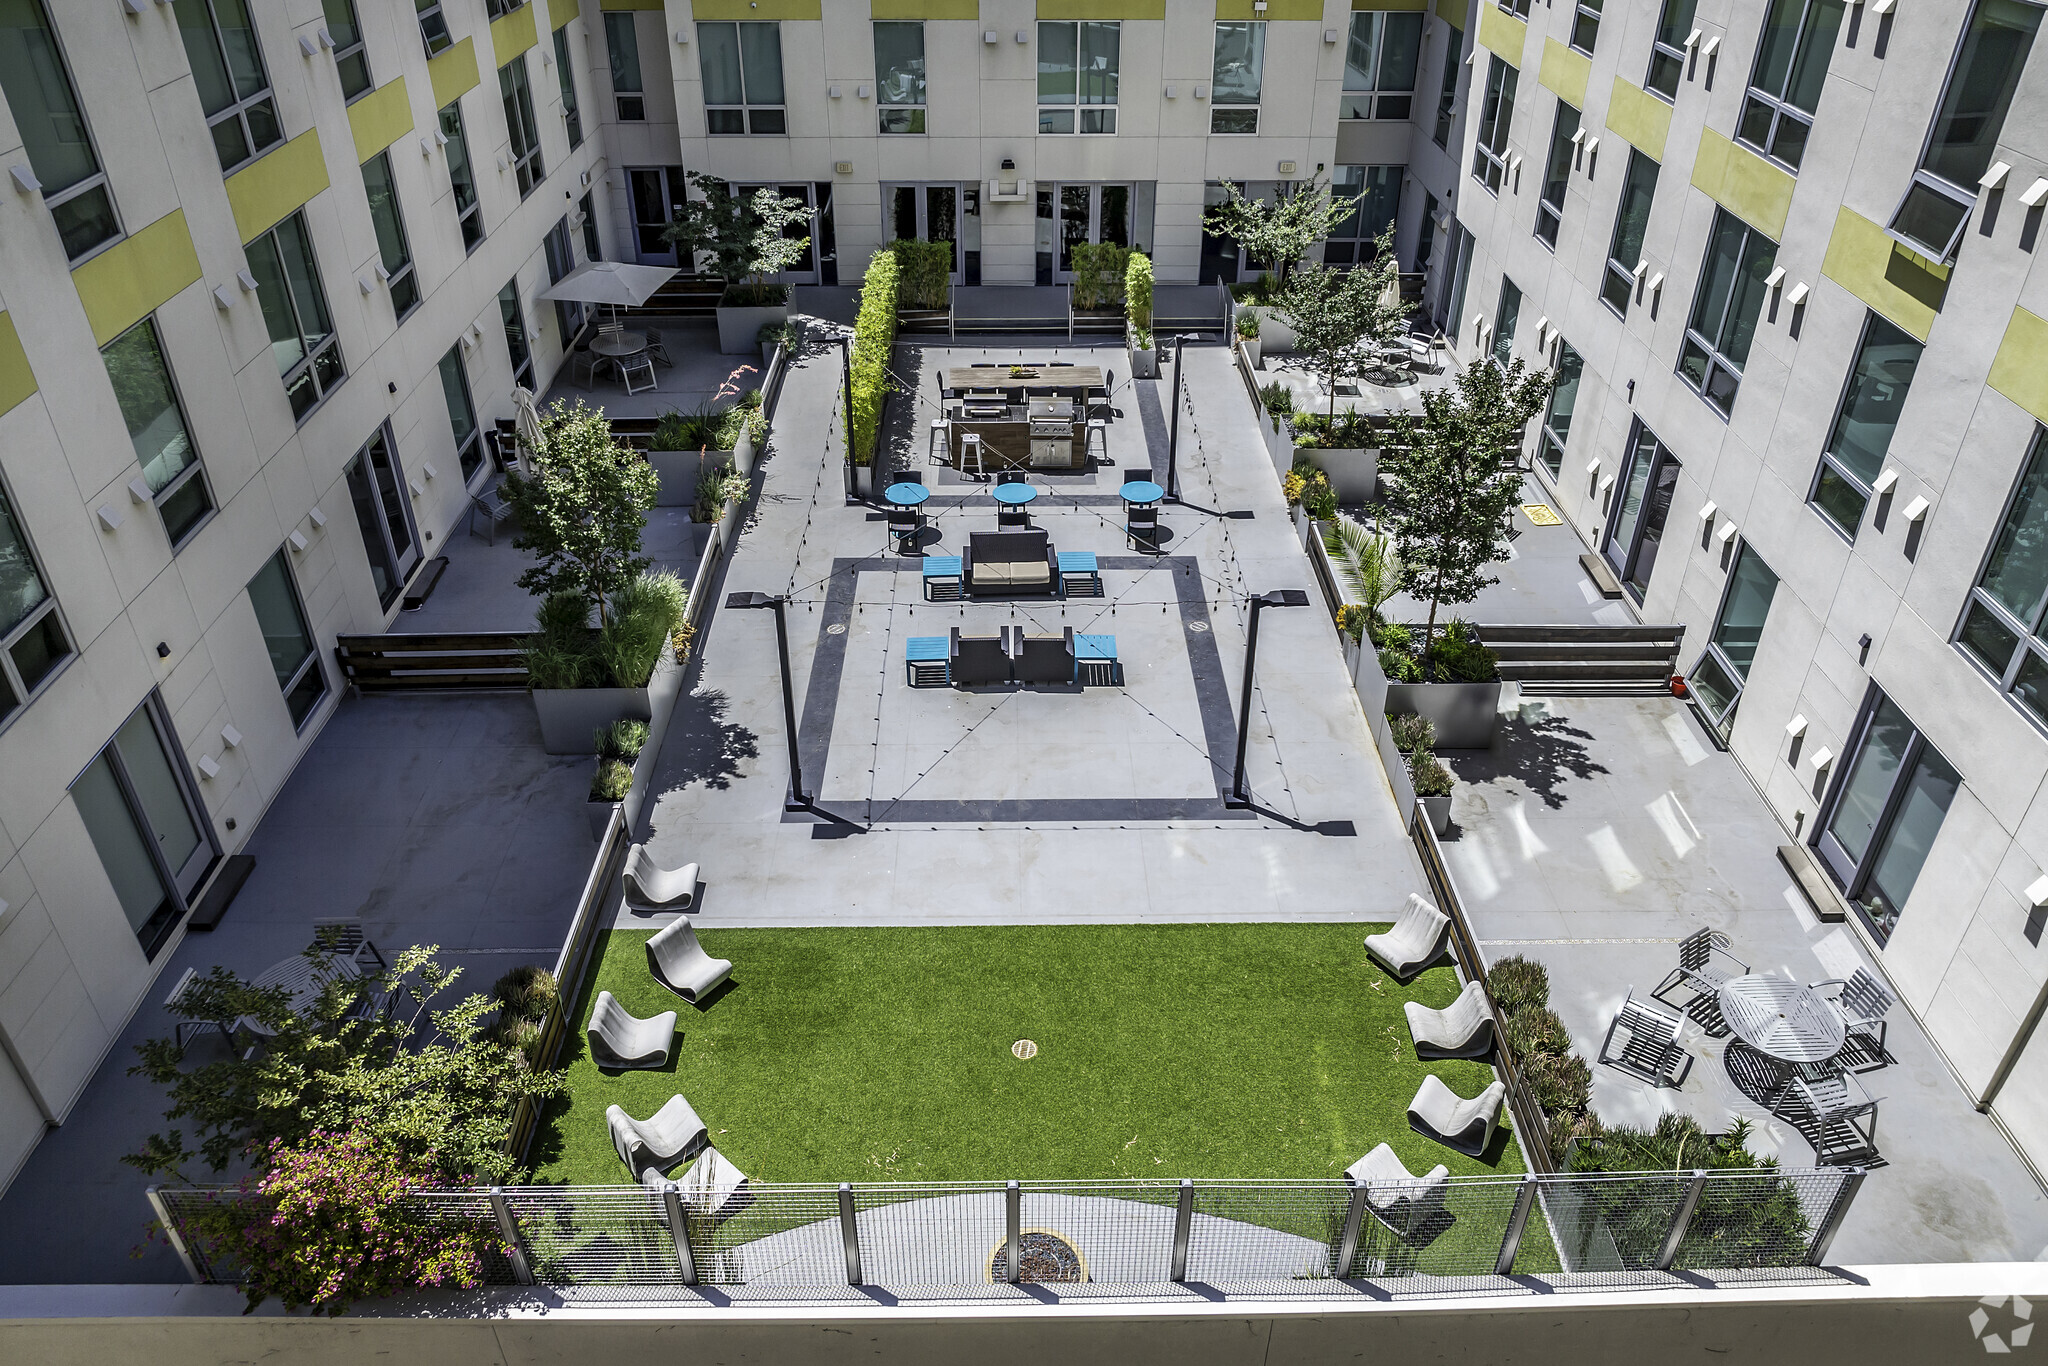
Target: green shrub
{"points": [[924, 272], [1518, 982], [622, 740], [1427, 772], [1351, 619], [1262, 290], [1099, 274], [1278, 401], [527, 992], [648, 611], [1458, 657], [1737, 1224], [1392, 635], [1248, 325], [874, 334], [612, 781], [754, 296], [716, 487], [1400, 667], [1138, 297], [1412, 732], [1344, 432], [559, 654], [1313, 491], [1559, 1082]]}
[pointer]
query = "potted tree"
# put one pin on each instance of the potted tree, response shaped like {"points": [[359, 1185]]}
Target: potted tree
{"points": [[747, 238], [1138, 339], [1097, 293], [1331, 313], [1454, 483], [684, 444], [1279, 233]]}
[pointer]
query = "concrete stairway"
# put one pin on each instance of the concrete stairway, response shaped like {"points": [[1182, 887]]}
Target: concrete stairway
{"points": [[1586, 659]]}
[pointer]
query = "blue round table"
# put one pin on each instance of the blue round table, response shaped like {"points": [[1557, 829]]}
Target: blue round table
{"points": [[906, 495], [1016, 495], [1142, 491]]}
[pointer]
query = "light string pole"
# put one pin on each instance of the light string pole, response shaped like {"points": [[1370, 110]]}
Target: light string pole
{"points": [[1173, 422], [798, 799], [845, 340], [1239, 799]]}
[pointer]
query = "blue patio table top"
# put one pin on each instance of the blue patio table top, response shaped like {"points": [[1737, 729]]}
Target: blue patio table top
{"points": [[1142, 491], [1014, 494], [924, 649], [1094, 647], [906, 495], [941, 566]]}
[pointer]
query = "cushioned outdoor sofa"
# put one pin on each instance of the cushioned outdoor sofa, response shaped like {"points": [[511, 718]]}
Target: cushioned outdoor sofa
{"points": [[1007, 563]]}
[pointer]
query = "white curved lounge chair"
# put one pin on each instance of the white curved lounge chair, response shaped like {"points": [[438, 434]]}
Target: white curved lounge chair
{"points": [[713, 1186], [621, 1039], [665, 1138], [1462, 1029], [679, 962], [1440, 1113], [649, 886], [1417, 939], [1402, 1200]]}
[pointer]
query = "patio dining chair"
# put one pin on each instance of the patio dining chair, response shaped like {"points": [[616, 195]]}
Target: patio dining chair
{"points": [[640, 367], [679, 962], [1440, 1113], [621, 1039], [1705, 965], [184, 1030], [584, 364], [1416, 940], [1401, 1200], [657, 349], [345, 938], [1649, 1043], [1462, 1029], [1843, 1115], [663, 1139], [1861, 1005], [1141, 528]]}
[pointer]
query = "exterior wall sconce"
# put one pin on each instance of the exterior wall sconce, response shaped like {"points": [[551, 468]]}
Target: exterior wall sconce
{"points": [[1796, 727], [1915, 510]]}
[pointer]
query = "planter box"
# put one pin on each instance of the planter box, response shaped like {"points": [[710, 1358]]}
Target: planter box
{"points": [[1250, 346], [571, 717], [739, 327], [600, 814], [1466, 714], [1274, 335], [1354, 474], [1145, 363], [677, 472], [1438, 809]]}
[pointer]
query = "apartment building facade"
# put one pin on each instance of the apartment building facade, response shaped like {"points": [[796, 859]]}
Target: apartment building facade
{"points": [[1783, 258]]}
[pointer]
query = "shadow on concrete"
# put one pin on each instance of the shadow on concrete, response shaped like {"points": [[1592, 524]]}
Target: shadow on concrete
{"points": [[1540, 755], [702, 747]]}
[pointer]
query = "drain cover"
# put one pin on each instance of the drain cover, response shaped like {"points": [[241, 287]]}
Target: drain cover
{"points": [[1024, 1050]]}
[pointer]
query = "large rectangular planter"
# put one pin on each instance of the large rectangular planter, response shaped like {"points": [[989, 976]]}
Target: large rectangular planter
{"points": [[739, 329], [677, 473], [1354, 474], [1466, 714], [571, 717], [1145, 363]]}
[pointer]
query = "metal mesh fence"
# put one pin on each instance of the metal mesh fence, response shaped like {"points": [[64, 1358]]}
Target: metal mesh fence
{"points": [[1612, 1223], [595, 1235], [1260, 1231], [770, 1235], [472, 1210], [1410, 1229], [1122, 1230], [928, 1235], [1749, 1220]]}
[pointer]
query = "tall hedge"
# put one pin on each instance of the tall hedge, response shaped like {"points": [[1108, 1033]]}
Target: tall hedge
{"points": [[874, 333], [1099, 274], [925, 271], [1138, 294]]}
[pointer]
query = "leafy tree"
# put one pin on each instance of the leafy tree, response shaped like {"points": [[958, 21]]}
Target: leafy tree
{"points": [[582, 512], [744, 235], [427, 1084], [1455, 481], [1341, 317], [1279, 234]]}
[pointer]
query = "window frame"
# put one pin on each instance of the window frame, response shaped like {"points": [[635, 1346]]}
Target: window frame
{"points": [[195, 468], [1548, 439], [1518, 8], [572, 106], [1678, 55], [1501, 349], [569, 317], [1717, 362], [286, 688], [1388, 104], [433, 28], [1447, 91], [1104, 109], [405, 275], [12, 634], [1490, 155], [180, 885], [508, 299], [1779, 108], [469, 452], [1722, 721], [498, 9], [96, 179], [1219, 106], [1348, 243], [912, 113], [628, 106], [238, 108], [344, 51], [1586, 14], [359, 467], [2031, 632], [307, 365], [1618, 271], [761, 119], [1646, 446], [450, 125], [522, 126], [1829, 461], [1562, 145]]}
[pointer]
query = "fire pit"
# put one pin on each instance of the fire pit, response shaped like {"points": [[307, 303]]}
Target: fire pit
{"points": [[1046, 1258]]}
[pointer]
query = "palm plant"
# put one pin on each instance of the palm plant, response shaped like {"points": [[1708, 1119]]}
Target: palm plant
{"points": [[1366, 561]]}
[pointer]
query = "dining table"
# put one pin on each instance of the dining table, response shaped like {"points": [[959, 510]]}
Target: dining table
{"points": [[1014, 495], [1139, 492], [619, 350], [906, 495], [1786, 1021], [304, 977]]}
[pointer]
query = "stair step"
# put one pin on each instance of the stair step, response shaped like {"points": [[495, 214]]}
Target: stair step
{"points": [[1494, 635], [1646, 651], [1582, 669]]}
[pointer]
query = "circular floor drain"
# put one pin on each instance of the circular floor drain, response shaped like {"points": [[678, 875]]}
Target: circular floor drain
{"points": [[1198, 626], [1024, 1050], [837, 628]]}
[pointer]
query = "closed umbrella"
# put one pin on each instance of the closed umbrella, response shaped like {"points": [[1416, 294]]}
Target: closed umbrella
{"points": [[615, 283], [526, 417]]}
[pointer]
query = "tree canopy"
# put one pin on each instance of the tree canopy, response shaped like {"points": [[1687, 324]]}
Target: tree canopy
{"points": [[744, 235], [582, 512], [1279, 235]]}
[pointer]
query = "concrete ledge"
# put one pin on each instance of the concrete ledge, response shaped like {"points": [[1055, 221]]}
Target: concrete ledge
{"points": [[1820, 891], [1598, 570]]}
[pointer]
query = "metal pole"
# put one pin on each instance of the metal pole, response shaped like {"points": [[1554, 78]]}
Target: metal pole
{"points": [[849, 1234], [1347, 1241], [679, 1229], [1669, 1252], [1851, 1183], [1183, 1224], [1238, 798], [1173, 426], [508, 1226], [1511, 1241], [1013, 1230], [177, 1239], [797, 800], [846, 375]]}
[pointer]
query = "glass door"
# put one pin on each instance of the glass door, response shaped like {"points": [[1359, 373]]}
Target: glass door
{"points": [[1069, 215], [384, 516], [929, 213], [1885, 815], [1642, 503], [657, 199], [145, 824]]}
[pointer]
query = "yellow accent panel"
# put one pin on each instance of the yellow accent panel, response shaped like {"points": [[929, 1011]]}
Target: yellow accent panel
{"points": [[453, 73], [2019, 371], [263, 193], [1743, 183], [1287, 9], [655, 5], [926, 9], [1502, 34], [513, 34], [1639, 118], [764, 9], [1102, 9], [17, 381], [133, 278], [380, 118], [1451, 12], [1902, 285], [1565, 73], [1355, 5]]}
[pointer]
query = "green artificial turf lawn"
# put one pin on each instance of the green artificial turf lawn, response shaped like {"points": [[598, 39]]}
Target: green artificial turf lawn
{"points": [[1221, 1051]]}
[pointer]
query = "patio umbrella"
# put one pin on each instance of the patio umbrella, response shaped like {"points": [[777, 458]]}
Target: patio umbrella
{"points": [[609, 282], [527, 417]]}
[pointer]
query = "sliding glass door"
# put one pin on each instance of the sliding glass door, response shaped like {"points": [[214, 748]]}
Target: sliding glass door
{"points": [[147, 826], [1885, 814]]}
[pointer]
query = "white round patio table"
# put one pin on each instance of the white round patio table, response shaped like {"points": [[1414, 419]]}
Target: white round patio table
{"points": [[1781, 1018]]}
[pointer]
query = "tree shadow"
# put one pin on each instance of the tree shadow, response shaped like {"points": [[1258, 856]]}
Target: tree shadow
{"points": [[702, 746], [1540, 755]]}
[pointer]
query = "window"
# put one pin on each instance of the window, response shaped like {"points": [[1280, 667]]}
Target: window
{"points": [[1967, 123], [283, 623], [350, 61], [1784, 85], [156, 424], [1724, 308], [383, 515], [149, 831], [1077, 76], [1518, 8], [1490, 154], [1669, 47], [469, 210], [742, 66], [1631, 220], [1505, 315], [33, 641], [1557, 173], [1557, 414], [1447, 94], [572, 113], [2002, 623], [519, 122], [1723, 668], [1586, 25], [622, 41], [1642, 504], [60, 150], [561, 255], [393, 251], [1379, 65], [434, 27], [1351, 242], [899, 75], [1885, 814], [1238, 72], [1862, 433], [234, 89], [295, 310], [469, 445], [517, 344], [586, 214], [498, 9]]}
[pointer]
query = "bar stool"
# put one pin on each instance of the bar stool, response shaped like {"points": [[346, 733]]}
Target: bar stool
{"points": [[1097, 436], [970, 455], [939, 447]]}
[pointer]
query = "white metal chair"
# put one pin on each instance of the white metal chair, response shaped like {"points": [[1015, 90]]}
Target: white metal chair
{"points": [[1705, 965], [657, 349], [939, 446], [184, 1030], [651, 887], [619, 1038], [584, 364], [1440, 1113], [1843, 1115], [1403, 1201], [1649, 1043], [1861, 1005], [679, 962], [1417, 939], [663, 1139], [632, 367], [1462, 1029]]}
